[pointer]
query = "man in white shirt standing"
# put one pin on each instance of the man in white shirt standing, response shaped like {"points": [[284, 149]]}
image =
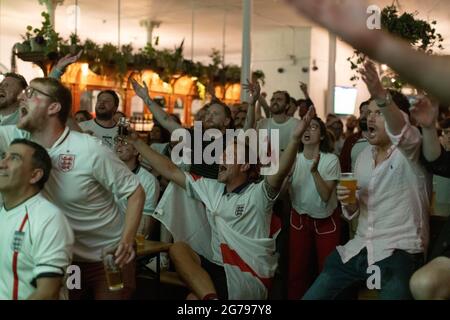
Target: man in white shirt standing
{"points": [[392, 204], [103, 126], [86, 179], [35, 235]]}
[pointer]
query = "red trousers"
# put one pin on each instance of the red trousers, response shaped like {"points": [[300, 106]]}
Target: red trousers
{"points": [[310, 242]]}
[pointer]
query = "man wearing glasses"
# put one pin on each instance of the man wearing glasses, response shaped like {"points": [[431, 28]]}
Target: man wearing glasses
{"points": [[86, 178]]}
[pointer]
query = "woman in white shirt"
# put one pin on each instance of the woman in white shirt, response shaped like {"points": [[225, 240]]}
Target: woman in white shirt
{"points": [[314, 228]]}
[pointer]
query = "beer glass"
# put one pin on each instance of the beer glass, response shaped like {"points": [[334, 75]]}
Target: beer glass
{"points": [[112, 270], [348, 180]]}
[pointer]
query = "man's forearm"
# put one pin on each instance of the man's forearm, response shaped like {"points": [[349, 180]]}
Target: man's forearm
{"points": [[394, 118], [432, 73], [431, 146], [263, 103], [250, 118], [161, 164], [135, 206], [286, 161], [161, 116]]}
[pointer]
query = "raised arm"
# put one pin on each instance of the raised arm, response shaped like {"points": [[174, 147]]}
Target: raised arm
{"points": [[263, 103], [160, 163], [392, 114], [255, 90], [160, 115], [290, 153], [425, 112], [60, 67], [348, 20]]}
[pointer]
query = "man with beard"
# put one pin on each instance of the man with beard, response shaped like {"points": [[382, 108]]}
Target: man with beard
{"points": [[103, 126], [218, 116], [86, 179], [392, 203], [10, 88], [279, 120]]}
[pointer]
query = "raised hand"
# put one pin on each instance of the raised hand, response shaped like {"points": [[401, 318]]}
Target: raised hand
{"points": [[370, 77], [141, 91], [67, 60], [254, 89], [304, 89], [304, 123], [315, 164], [425, 112]]}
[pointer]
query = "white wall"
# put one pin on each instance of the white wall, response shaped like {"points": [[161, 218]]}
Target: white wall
{"points": [[271, 50]]}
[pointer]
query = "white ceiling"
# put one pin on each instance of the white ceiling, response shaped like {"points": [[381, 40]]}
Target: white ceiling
{"points": [[98, 20]]}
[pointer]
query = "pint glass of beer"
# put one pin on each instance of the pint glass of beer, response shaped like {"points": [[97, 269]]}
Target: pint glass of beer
{"points": [[112, 271], [140, 240], [348, 180]]}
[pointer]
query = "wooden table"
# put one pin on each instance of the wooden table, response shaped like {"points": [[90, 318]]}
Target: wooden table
{"points": [[152, 247]]}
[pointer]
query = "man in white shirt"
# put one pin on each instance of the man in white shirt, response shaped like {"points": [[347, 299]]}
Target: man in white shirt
{"points": [[239, 213], [129, 155], [393, 205], [35, 235], [87, 176], [104, 126], [279, 119], [10, 88]]}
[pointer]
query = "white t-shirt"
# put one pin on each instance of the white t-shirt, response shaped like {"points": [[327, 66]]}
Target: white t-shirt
{"points": [[247, 210], [285, 129], [85, 180], [151, 188], [107, 135], [304, 194], [36, 241]]}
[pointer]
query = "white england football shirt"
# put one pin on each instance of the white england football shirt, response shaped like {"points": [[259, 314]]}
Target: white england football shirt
{"points": [[36, 241], [247, 210], [85, 180], [107, 135]]}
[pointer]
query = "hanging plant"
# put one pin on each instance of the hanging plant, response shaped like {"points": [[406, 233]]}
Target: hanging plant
{"points": [[418, 33]]}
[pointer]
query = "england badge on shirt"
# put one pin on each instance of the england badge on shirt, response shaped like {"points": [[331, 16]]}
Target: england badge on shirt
{"points": [[17, 240], [66, 162], [239, 210]]}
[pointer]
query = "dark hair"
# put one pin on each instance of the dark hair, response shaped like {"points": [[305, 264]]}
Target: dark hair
{"points": [[326, 142], [400, 100], [85, 113], [23, 83], [364, 103], [287, 97], [113, 94], [61, 95], [39, 160], [227, 111], [444, 124]]}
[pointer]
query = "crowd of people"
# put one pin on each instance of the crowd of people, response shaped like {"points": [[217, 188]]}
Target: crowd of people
{"points": [[73, 186]]}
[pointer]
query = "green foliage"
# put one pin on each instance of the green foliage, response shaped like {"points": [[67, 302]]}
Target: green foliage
{"points": [[420, 34]]}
